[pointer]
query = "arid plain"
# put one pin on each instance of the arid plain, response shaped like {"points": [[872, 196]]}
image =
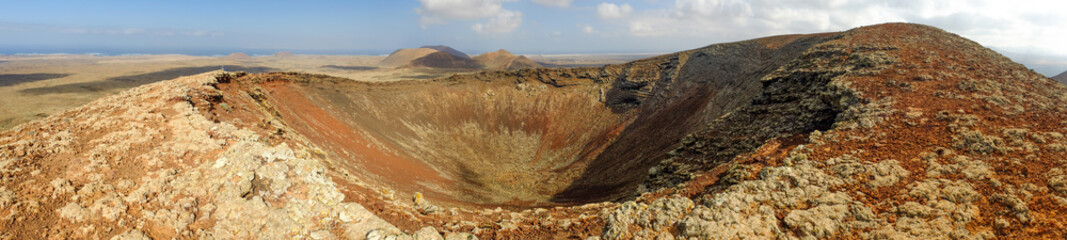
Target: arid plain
{"points": [[36, 86]]}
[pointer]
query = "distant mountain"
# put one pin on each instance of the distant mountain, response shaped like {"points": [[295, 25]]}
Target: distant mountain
{"points": [[1062, 78], [404, 56], [283, 54], [426, 57], [238, 56], [442, 59], [504, 60], [448, 50], [446, 57]]}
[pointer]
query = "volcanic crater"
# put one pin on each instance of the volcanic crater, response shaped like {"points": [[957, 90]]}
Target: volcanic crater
{"points": [[528, 138], [888, 131]]}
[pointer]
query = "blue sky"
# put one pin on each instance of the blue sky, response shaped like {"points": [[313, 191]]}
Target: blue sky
{"points": [[1021, 29]]}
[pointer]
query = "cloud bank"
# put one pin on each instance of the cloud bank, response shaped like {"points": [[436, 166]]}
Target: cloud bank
{"points": [[500, 20], [554, 3], [612, 11]]}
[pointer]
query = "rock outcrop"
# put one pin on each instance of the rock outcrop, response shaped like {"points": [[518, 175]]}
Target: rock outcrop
{"points": [[892, 131]]}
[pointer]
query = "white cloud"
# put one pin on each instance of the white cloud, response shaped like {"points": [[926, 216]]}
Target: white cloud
{"points": [[612, 11], [504, 22], [587, 29], [441, 11], [1003, 24], [554, 3]]}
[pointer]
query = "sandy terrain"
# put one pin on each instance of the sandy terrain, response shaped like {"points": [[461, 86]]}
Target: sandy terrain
{"points": [[36, 86]]}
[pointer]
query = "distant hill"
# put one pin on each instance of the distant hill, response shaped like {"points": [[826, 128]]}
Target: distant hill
{"points": [[238, 56], [1062, 78], [447, 57], [443, 60], [504, 60], [426, 57], [404, 56], [448, 50], [283, 54]]}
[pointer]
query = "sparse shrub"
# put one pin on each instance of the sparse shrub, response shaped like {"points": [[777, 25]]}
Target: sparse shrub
{"points": [[735, 174], [1059, 147], [1016, 205], [1058, 184], [224, 77], [976, 142], [227, 77]]}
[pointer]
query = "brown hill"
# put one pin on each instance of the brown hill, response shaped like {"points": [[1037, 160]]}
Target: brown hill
{"points": [[426, 57], [442, 60], [504, 60], [1062, 78], [238, 56], [841, 135], [283, 54], [448, 50], [404, 56]]}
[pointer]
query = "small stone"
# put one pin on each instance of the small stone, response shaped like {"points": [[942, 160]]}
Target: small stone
{"points": [[378, 234], [131, 235], [418, 199], [428, 233], [73, 212], [665, 236], [1001, 223], [7, 197], [321, 234], [460, 236]]}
